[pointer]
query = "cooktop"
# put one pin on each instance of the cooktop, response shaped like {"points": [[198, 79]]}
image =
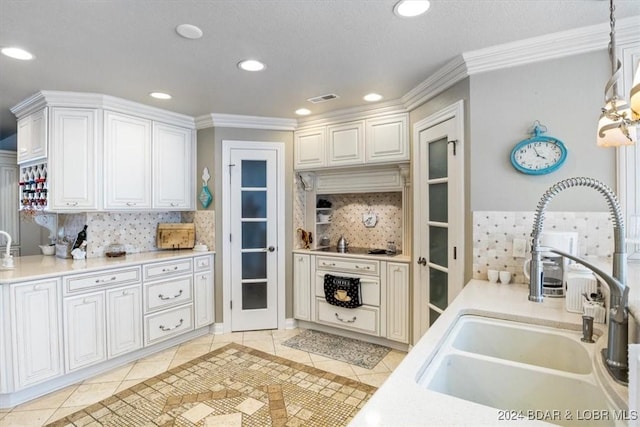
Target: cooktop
{"points": [[356, 251]]}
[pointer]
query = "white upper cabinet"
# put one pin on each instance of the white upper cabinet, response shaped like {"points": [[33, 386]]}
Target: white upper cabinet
{"points": [[32, 136], [387, 139], [382, 139], [310, 148], [173, 165], [127, 162], [346, 144], [73, 166]]}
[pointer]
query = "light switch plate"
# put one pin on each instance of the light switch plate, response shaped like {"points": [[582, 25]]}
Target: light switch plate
{"points": [[519, 248]]}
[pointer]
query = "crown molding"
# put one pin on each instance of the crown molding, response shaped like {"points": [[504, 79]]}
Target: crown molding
{"points": [[245, 122], [355, 113], [54, 98]]}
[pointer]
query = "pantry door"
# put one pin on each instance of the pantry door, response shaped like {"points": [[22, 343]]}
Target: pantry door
{"points": [[438, 215], [256, 235]]}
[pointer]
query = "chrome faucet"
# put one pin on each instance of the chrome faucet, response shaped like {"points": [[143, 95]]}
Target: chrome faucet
{"points": [[616, 354], [7, 260]]}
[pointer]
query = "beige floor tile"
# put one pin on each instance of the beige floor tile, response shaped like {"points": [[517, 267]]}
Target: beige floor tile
{"points": [[375, 380], [216, 345], [393, 359], [87, 394], [197, 413], [179, 361], [257, 335], [144, 370], [262, 345], [227, 420], [117, 374], [380, 368], [163, 355], [63, 412], [295, 355], [335, 367], [27, 418], [49, 401], [192, 351], [285, 334], [205, 339], [232, 337], [319, 358], [249, 406], [126, 384]]}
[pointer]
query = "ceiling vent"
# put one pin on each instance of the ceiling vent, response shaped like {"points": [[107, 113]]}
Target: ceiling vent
{"points": [[323, 98]]}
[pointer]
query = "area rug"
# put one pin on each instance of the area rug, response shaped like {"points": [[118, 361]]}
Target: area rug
{"points": [[231, 386], [355, 352]]}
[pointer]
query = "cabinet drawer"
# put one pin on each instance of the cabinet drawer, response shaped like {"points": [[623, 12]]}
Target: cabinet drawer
{"points": [[167, 293], [369, 287], [166, 324], [358, 266], [101, 279], [363, 319], [159, 270], [204, 263]]}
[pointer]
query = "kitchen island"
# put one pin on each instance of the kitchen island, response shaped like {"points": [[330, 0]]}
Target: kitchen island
{"points": [[66, 320], [402, 401]]}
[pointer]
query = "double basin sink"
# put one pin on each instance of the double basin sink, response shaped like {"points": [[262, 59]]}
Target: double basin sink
{"points": [[527, 372]]}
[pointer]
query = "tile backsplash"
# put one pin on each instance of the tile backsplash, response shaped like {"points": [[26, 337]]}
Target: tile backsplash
{"points": [[135, 230], [493, 234], [346, 219]]}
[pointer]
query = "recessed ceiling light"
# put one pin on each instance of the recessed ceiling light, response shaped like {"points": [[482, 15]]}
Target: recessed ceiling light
{"points": [[251, 65], [303, 112], [189, 31], [16, 53], [411, 8], [160, 95], [372, 97]]}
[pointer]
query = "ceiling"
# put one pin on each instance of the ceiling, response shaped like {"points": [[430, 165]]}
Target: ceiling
{"points": [[129, 48]]}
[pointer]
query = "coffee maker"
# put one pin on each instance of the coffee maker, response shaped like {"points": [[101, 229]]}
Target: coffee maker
{"points": [[555, 266]]}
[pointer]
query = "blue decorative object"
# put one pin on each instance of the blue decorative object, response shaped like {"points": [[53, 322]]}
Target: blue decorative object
{"points": [[205, 196], [538, 155]]}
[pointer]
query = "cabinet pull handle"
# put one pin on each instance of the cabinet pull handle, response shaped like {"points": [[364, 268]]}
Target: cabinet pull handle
{"points": [[164, 298], [165, 329], [131, 204], [174, 204], [325, 264], [346, 321], [72, 203], [106, 280], [167, 270], [366, 267]]}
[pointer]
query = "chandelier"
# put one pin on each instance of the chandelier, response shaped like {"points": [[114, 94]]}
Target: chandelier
{"points": [[618, 121]]}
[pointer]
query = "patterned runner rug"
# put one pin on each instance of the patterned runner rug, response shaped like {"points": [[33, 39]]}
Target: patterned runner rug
{"points": [[231, 386], [355, 352]]}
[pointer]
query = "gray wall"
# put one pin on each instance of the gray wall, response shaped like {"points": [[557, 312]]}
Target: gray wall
{"points": [[563, 94], [210, 154]]}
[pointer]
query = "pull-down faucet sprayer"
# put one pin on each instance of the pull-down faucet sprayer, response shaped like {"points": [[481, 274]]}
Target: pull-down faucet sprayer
{"points": [[616, 354]]}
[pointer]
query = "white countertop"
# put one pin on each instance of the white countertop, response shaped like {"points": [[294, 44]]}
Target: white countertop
{"points": [[40, 266], [381, 257], [400, 401]]}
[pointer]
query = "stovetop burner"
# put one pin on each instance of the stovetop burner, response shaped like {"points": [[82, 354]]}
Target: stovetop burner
{"points": [[355, 251]]}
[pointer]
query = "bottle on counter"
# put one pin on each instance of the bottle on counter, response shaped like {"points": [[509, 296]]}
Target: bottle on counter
{"points": [[82, 237]]}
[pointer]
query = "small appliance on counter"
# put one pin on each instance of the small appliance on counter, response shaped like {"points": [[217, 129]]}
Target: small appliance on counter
{"points": [[176, 236], [342, 244], [555, 266], [580, 281]]}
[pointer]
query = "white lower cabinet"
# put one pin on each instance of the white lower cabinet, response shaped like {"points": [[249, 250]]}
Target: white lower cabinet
{"points": [[35, 332], [203, 298], [398, 302], [124, 320], [301, 287], [84, 330], [384, 292]]}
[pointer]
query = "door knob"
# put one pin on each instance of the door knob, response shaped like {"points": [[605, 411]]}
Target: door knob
{"points": [[271, 249], [422, 261]]}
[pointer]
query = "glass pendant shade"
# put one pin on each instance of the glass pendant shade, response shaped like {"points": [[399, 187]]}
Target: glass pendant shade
{"points": [[634, 100], [612, 131]]}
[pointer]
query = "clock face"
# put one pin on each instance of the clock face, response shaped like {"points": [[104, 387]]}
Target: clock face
{"points": [[538, 156]]}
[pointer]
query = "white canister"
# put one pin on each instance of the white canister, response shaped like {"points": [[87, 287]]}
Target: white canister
{"points": [[578, 280]]}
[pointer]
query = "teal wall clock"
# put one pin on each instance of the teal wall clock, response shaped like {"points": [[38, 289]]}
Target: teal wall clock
{"points": [[540, 154]]}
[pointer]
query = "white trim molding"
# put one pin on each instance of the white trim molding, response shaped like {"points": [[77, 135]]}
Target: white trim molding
{"points": [[245, 122]]}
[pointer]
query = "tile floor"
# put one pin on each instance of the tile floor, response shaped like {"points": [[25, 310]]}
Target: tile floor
{"points": [[60, 403]]}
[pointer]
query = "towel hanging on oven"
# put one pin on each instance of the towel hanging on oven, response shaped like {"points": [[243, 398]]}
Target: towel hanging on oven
{"points": [[342, 291]]}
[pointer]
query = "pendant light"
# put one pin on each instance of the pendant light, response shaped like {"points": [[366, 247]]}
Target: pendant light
{"points": [[617, 123]]}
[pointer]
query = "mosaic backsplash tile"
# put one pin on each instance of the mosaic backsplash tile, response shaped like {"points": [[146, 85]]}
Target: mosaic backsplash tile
{"points": [[205, 222], [299, 205], [346, 219], [493, 234]]}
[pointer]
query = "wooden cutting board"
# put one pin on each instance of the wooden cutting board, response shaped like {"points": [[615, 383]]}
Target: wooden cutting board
{"points": [[176, 236]]}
